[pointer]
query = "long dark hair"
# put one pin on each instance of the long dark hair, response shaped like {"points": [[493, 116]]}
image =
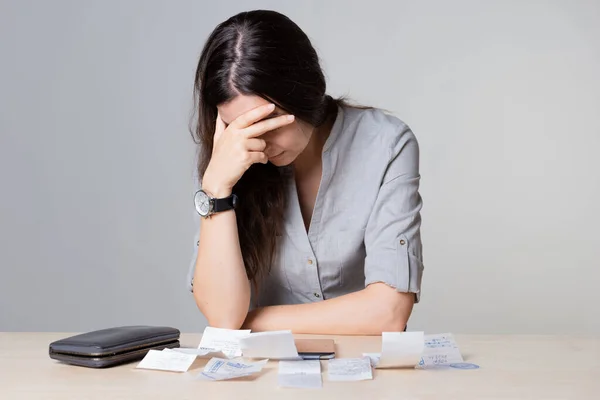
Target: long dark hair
{"points": [[266, 54]]}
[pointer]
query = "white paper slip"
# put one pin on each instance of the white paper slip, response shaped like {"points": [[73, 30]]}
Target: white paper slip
{"points": [[374, 357], [167, 360], [225, 340], [200, 352], [349, 369], [300, 374], [401, 349], [440, 349], [218, 369], [275, 345]]}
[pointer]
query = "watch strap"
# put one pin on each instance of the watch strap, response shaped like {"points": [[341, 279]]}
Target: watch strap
{"points": [[225, 204]]}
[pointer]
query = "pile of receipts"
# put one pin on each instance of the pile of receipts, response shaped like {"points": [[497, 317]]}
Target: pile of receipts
{"points": [[229, 351], [224, 347]]}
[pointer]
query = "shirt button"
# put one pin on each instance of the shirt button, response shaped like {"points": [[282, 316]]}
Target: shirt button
{"points": [[310, 261], [198, 243], [402, 242], [316, 294]]}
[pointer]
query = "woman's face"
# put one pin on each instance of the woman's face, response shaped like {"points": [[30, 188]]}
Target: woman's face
{"points": [[283, 144]]}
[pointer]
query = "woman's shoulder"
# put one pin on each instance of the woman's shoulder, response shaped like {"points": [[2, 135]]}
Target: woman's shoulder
{"points": [[376, 126]]}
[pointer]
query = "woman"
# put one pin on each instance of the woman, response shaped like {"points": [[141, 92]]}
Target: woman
{"points": [[310, 206]]}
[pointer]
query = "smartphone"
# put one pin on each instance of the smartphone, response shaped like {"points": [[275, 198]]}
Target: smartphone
{"points": [[316, 349]]}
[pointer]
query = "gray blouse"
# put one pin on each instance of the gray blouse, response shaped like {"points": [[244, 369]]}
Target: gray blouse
{"points": [[365, 226]]}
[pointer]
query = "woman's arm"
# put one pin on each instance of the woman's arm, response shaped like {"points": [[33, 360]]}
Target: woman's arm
{"points": [[221, 286], [375, 309]]}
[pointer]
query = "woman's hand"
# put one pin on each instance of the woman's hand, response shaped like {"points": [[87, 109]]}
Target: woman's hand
{"points": [[238, 146]]}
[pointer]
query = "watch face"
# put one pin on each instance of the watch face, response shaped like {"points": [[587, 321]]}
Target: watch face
{"points": [[202, 202]]}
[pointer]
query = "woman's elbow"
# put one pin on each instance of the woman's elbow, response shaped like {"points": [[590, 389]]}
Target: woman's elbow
{"points": [[395, 323], [395, 307], [226, 317], [224, 323], [398, 312]]}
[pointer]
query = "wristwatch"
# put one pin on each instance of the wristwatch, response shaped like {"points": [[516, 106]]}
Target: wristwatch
{"points": [[206, 205]]}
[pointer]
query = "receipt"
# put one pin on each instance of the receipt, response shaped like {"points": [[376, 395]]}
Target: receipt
{"points": [[167, 360], [300, 374], [275, 345], [201, 352], [350, 369], [218, 369], [440, 349], [225, 340], [373, 357], [401, 349]]}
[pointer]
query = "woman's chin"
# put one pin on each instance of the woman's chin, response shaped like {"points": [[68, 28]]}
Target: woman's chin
{"points": [[280, 160]]}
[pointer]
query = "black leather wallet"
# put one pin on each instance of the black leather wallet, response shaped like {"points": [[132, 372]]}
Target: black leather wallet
{"points": [[108, 347]]}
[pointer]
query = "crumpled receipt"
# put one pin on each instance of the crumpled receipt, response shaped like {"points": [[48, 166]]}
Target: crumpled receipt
{"points": [[201, 352], [225, 340], [167, 360], [274, 345], [218, 369], [439, 350]]}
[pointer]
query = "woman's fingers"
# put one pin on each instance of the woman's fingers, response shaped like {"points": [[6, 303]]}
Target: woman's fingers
{"points": [[255, 144], [267, 125], [257, 157], [219, 127], [252, 116]]}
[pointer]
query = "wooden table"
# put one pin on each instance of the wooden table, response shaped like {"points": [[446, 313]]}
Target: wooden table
{"points": [[512, 367]]}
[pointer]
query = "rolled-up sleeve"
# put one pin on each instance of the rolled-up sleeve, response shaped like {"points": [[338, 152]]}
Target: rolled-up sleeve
{"points": [[392, 236]]}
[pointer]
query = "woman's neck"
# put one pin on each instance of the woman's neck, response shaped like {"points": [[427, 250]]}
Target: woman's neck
{"points": [[309, 161]]}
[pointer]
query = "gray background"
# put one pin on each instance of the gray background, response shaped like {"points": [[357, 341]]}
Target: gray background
{"points": [[96, 163]]}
